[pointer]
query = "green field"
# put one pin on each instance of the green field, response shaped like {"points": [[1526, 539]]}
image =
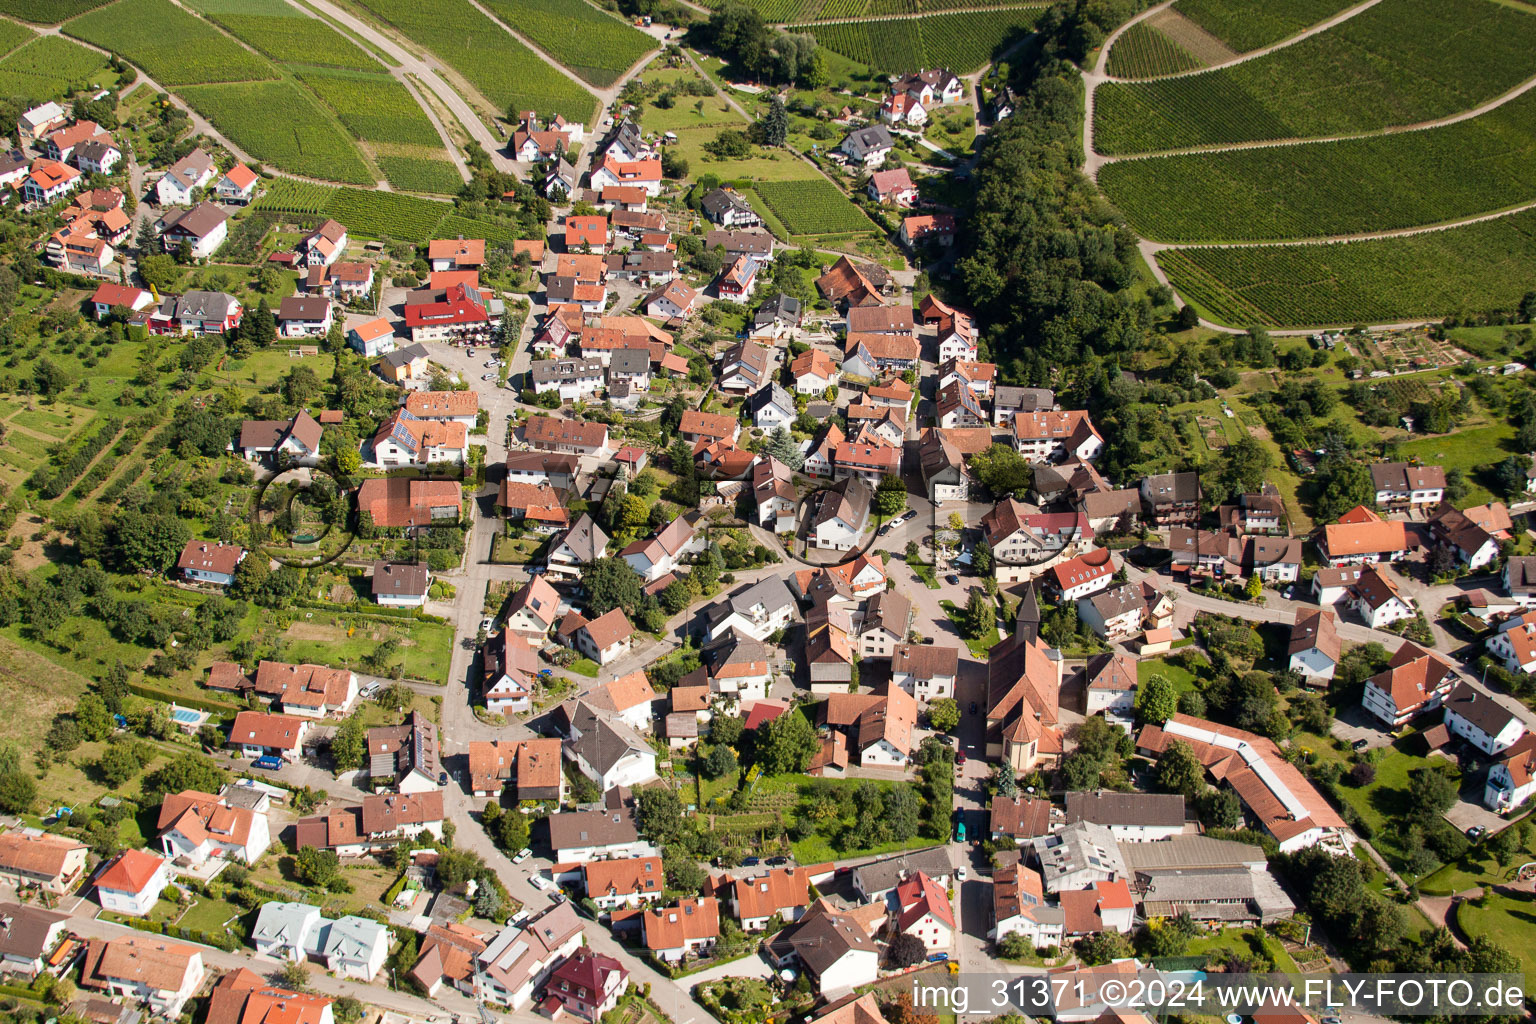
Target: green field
{"points": [[593, 43], [1355, 186], [1506, 921], [1251, 24], [505, 71], [415, 174], [1144, 52], [172, 46], [278, 123], [812, 207], [375, 214], [1488, 266], [1398, 63], [283, 33], [962, 42], [48, 67], [47, 12]]}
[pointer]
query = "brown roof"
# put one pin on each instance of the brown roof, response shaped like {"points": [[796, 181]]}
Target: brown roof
{"points": [[400, 501], [310, 686], [1021, 817], [778, 890], [448, 952], [547, 430], [641, 875], [203, 816], [442, 404], [1316, 627], [407, 579], [1412, 677], [264, 730], [707, 424], [671, 927], [881, 320], [35, 854], [608, 629], [1114, 672], [1367, 538], [925, 661], [155, 963], [591, 828], [463, 251], [206, 557], [390, 812]]}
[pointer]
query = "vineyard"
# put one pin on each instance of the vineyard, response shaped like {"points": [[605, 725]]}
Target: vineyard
{"points": [[278, 123], [416, 174], [1356, 186], [378, 214], [13, 35], [811, 207], [47, 12], [1399, 62], [790, 11], [374, 107], [1488, 266], [172, 46], [284, 34], [1253, 24], [960, 42], [48, 67], [505, 71], [594, 44], [1143, 52]]}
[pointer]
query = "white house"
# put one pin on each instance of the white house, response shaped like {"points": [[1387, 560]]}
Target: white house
{"points": [[304, 317], [603, 639], [1402, 485], [1314, 646], [1130, 817], [842, 511], [833, 949], [1019, 908], [926, 671], [286, 931], [522, 956], [661, 554], [607, 750], [1082, 576], [401, 584], [690, 927], [628, 883], [868, 146], [1515, 643], [772, 407], [1413, 683], [1512, 781], [132, 883], [1378, 599], [922, 909], [193, 171], [146, 969], [238, 185], [195, 827], [202, 228], [1109, 685], [1481, 720], [202, 562], [755, 611]]}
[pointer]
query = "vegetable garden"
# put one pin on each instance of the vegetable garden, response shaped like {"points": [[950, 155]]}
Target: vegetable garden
{"points": [[1144, 52], [1380, 183], [1398, 63], [960, 42], [1252, 24], [47, 67], [594, 44], [811, 207], [172, 46], [505, 71], [278, 123], [1481, 267]]}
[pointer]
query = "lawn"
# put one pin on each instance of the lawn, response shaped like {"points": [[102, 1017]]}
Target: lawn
{"points": [[817, 849], [1181, 678], [423, 652], [585, 667], [979, 647], [1475, 869], [369, 880], [1466, 450], [212, 916], [761, 166], [1508, 922], [1244, 941], [1380, 804]]}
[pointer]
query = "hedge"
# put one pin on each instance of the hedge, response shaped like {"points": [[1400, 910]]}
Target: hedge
{"points": [[150, 693]]}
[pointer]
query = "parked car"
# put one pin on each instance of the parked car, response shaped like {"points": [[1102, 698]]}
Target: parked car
{"points": [[492, 364], [887, 528], [952, 579], [960, 873], [973, 707], [1476, 832], [268, 763], [442, 778], [938, 958], [911, 515], [959, 757], [522, 855], [540, 883], [487, 376], [1359, 744], [488, 624], [751, 862], [370, 689], [776, 862]]}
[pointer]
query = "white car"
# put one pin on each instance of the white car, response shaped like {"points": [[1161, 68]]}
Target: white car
{"points": [[522, 855], [488, 376], [960, 873], [488, 624], [541, 883], [493, 364]]}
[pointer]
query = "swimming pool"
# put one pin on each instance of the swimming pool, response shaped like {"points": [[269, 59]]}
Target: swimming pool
{"points": [[187, 716]]}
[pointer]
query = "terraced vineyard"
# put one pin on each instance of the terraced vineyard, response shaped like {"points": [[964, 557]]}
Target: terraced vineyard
{"points": [[505, 71], [1400, 62], [1253, 24], [172, 46], [1357, 186], [961, 42], [379, 214], [594, 44], [47, 67], [281, 32], [1144, 52], [278, 123], [1488, 266], [812, 207]]}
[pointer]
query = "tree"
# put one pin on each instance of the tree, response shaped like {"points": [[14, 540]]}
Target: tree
{"points": [[113, 685], [1431, 792], [316, 867], [94, 719], [1003, 471], [1254, 588], [726, 730], [1179, 770], [1005, 780], [890, 497], [786, 744], [610, 583], [188, 771], [1104, 947], [1504, 845], [906, 951], [17, 792], [1510, 474], [720, 762], [943, 714], [350, 743], [512, 831], [981, 557], [903, 813], [295, 976], [148, 542], [1219, 808], [775, 123], [659, 813], [684, 875], [1156, 700], [980, 619], [118, 763]]}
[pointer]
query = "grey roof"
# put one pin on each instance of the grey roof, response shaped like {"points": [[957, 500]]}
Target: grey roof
{"points": [[1171, 487], [1478, 708], [604, 742], [285, 922], [401, 579], [201, 305], [718, 201], [780, 307], [881, 875], [821, 938], [1108, 808], [889, 610], [848, 500], [1206, 885], [629, 360], [592, 828], [627, 133], [12, 161], [189, 168], [198, 221], [402, 356], [1023, 399], [1117, 600], [352, 937], [737, 242], [24, 929], [1182, 852], [871, 138], [772, 394], [546, 370], [770, 592], [1080, 847], [585, 538], [733, 648], [1521, 571]]}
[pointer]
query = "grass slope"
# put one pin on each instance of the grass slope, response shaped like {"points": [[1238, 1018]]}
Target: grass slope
{"points": [[1253, 24], [1333, 188], [1400, 62], [47, 12], [375, 107], [504, 70], [1483, 266], [277, 123]]}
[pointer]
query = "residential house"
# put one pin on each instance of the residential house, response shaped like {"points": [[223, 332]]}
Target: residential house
{"points": [[1009, 402], [945, 476], [376, 338], [778, 317], [842, 513], [744, 367], [201, 229], [663, 553], [583, 836], [397, 502], [1254, 513], [869, 457], [406, 757], [1056, 436], [729, 209], [510, 671], [532, 611], [627, 699], [832, 948], [848, 284], [1021, 539], [345, 281], [922, 908], [829, 651], [524, 954], [579, 437], [883, 624], [324, 245], [772, 407], [603, 639], [1361, 537], [401, 584], [1130, 817], [958, 406], [299, 317], [1124, 611], [688, 928], [349, 947], [673, 300], [1019, 907], [584, 542], [202, 562], [43, 860], [191, 172], [294, 441], [144, 969], [459, 313], [1520, 579], [1481, 720], [1379, 600], [756, 610], [1473, 546], [868, 146], [35, 124], [49, 181], [195, 827], [530, 767], [870, 355], [1083, 575], [28, 935], [256, 734], [893, 187], [818, 461], [926, 671], [978, 377], [773, 489], [404, 440], [1172, 498], [558, 471], [643, 173], [448, 953], [1402, 485], [618, 884], [1102, 907], [1109, 685], [237, 185], [878, 726], [1023, 818], [586, 985], [109, 296], [1512, 779], [1515, 643], [456, 253], [310, 691], [1315, 647], [1078, 856], [1273, 791], [876, 881], [937, 228]]}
